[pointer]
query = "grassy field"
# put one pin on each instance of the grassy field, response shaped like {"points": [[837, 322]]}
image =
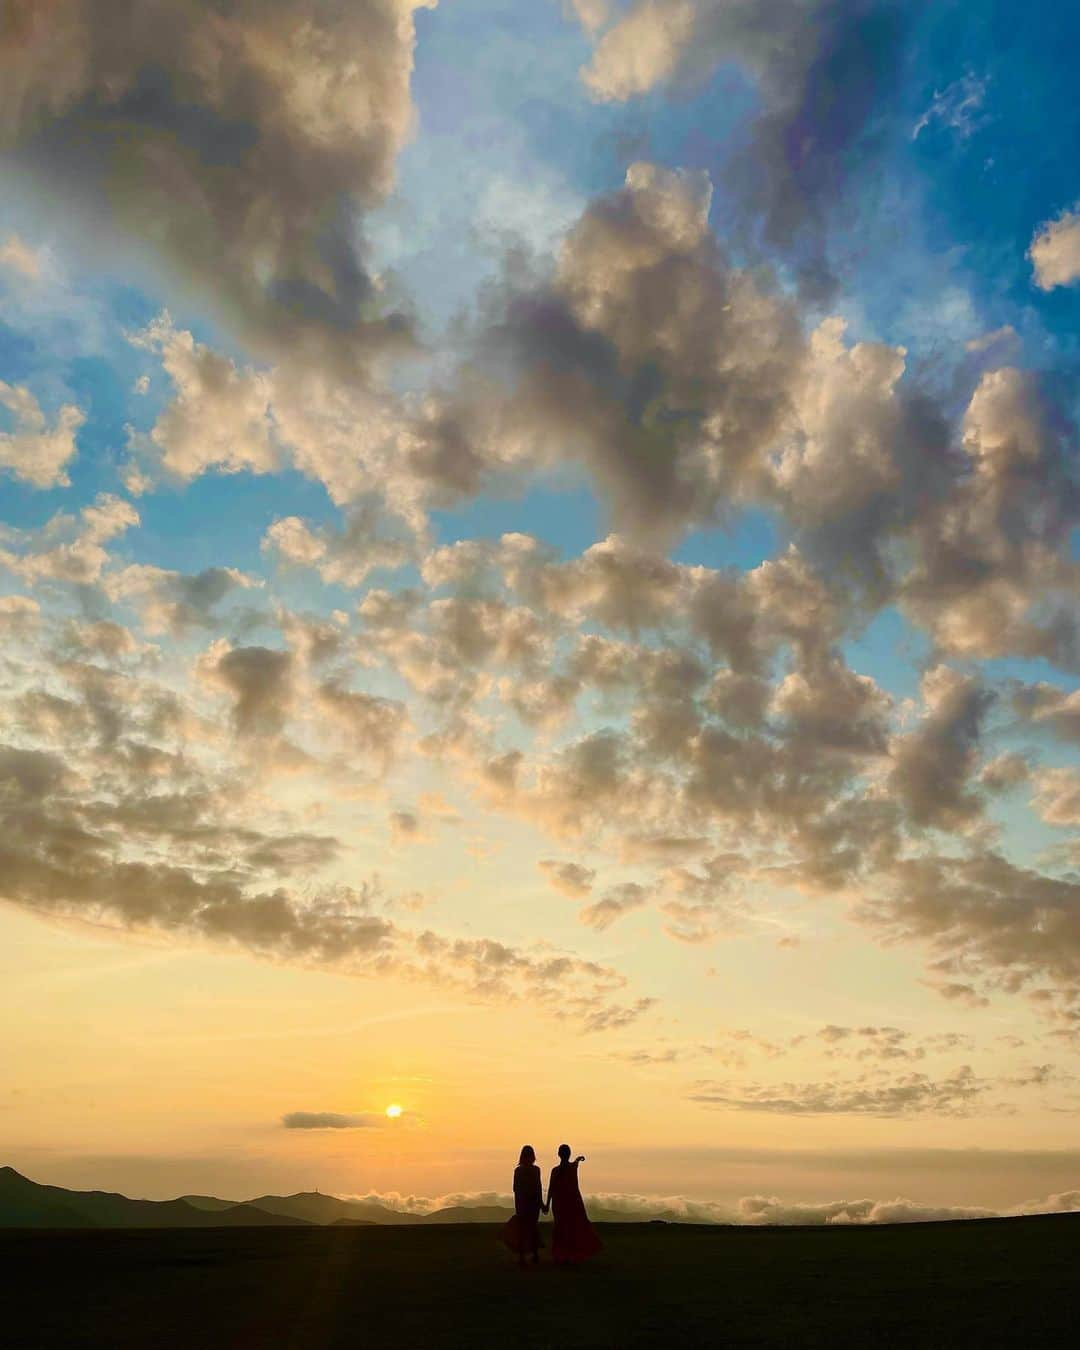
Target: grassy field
{"points": [[989, 1283]]}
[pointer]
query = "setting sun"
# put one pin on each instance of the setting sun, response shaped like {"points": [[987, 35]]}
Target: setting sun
{"points": [[393, 1111]]}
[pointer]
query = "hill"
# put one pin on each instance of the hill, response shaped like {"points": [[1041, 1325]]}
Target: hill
{"points": [[986, 1284], [27, 1204], [314, 1207]]}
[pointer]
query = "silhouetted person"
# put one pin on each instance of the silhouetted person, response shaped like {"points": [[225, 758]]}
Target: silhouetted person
{"points": [[522, 1232], [574, 1238]]}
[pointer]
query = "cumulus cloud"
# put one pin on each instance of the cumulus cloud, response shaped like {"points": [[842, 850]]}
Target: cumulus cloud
{"points": [[60, 857], [647, 358], [1055, 251], [573, 879], [306, 105], [1057, 796], [33, 451], [343, 558], [992, 573], [259, 682], [68, 548], [219, 415], [1049, 708], [991, 923], [804, 56], [616, 902], [932, 765], [19, 616], [175, 602]]}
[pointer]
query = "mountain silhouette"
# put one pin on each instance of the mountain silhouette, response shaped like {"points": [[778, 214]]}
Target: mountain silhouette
{"points": [[314, 1207], [27, 1204]]}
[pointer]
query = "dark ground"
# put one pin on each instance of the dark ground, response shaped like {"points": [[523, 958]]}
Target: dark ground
{"points": [[987, 1283]]}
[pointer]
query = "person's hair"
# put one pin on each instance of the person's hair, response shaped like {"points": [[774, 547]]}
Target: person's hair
{"points": [[564, 1152], [528, 1155]]}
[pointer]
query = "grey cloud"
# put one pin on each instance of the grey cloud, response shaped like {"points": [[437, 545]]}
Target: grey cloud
{"points": [[958, 1094], [992, 574], [176, 602], [613, 905], [330, 1120], [573, 879], [993, 924], [59, 856], [1048, 708], [932, 765], [372, 726], [260, 683], [306, 104]]}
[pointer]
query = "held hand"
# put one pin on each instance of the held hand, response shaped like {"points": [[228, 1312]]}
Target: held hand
{"points": [[580, 1158]]}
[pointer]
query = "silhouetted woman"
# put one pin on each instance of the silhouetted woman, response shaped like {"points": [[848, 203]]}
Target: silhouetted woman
{"points": [[574, 1238], [521, 1233]]}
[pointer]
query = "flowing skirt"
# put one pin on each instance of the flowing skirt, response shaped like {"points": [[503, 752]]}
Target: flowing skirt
{"points": [[521, 1232], [574, 1238]]}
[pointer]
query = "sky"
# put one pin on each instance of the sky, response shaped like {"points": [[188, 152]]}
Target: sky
{"points": [[539, 585]]}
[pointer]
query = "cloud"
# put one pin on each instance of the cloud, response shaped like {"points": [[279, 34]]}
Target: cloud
{"points": [[219, 415], [19, 616], [646, 358], [331, 1120], [1048, 708], [94, 845], [822, 71], [613, 904], [176, 602], [573, 879], [34, 452], [346, 558], [959, 107], [20, 258], [958, 1094], [69, 548], [1057, 796], [258, 680], [750, 1210], [993, 574], [1055, 251], [932, 765], [239, 143], [990, 923]]}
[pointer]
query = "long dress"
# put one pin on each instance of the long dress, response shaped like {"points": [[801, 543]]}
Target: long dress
{"points": [[521, 1232], [574, 1238]]}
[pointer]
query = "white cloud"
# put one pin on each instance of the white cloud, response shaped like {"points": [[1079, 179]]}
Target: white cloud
{"points": [[1055, 251], [33, 451]]}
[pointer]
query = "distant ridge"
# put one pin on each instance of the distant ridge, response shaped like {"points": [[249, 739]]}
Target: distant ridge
{"points": [[26, 1204]]}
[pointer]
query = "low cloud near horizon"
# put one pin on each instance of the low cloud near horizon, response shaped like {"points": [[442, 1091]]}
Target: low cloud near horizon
{"points": [[332, 1120], [747, 1211]]}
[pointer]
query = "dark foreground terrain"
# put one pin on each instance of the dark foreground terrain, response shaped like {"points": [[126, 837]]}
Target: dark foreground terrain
{"points": [[987, 1283]]}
